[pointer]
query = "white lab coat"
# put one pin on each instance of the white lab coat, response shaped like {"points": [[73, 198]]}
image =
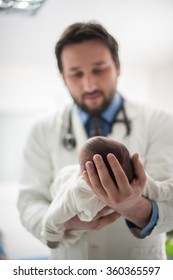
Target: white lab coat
{"points": [[151, 136]]}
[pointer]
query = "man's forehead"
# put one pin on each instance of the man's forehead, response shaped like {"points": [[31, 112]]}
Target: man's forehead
{"points": [[94, 64]]}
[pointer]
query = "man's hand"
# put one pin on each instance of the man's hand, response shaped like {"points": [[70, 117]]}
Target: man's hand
{"points": [[101, 220], [125, 198]]}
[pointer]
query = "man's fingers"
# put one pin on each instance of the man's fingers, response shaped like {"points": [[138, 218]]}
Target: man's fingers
{"points": [[102, 212], [97, 223], [106, 220], [106, 181], [94, 179], [120, 176]]}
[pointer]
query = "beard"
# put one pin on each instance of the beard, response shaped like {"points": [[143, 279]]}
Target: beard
{"points": [[95, 110]]}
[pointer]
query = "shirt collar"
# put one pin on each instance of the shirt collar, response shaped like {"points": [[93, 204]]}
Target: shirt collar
{"points": [[108, 114], [112, 109]]}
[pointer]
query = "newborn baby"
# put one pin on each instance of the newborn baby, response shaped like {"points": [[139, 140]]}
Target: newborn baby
{"points": [[103, 146], [77, 196], [72, 196]]}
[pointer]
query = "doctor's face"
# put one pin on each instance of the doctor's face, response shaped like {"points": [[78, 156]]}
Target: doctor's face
{"points": [[90, 74]]}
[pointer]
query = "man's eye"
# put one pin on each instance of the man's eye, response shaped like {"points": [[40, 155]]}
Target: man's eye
{"points": [[78, 75], [98, 71]]}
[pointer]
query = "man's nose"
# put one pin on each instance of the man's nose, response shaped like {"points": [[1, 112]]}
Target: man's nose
{"points": [[89, 83]]}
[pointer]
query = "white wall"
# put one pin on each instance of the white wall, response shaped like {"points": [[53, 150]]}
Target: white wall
{"points": [[30, 83], [18, 243], [29, 77]]}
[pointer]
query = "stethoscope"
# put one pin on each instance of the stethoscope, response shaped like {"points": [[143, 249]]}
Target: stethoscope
{"points": [[69, 141]]}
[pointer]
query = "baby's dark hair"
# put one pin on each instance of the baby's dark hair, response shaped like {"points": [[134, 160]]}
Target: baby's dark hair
{"points": [[103, 146]]}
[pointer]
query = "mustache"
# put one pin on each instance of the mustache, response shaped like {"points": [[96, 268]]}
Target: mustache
{"points": [[86, 94]]}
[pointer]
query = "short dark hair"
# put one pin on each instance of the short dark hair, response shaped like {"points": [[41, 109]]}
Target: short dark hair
{"points": [[80, 32]]}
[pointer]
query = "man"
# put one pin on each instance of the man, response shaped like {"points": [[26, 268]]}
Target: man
{"points": [[88, 60]]}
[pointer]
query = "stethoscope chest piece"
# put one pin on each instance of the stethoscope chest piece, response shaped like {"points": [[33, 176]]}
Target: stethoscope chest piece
{"points": [[69, 141]]}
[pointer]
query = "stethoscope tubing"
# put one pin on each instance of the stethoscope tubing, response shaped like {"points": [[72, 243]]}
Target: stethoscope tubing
{"points": [[69, 141]]}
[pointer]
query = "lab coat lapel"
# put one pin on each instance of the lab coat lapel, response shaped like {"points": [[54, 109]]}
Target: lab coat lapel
{"points": [[78, 129]]}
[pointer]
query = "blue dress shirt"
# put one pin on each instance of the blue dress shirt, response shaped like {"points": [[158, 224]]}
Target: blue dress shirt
{"points": [[152, 222], [108, 115]]}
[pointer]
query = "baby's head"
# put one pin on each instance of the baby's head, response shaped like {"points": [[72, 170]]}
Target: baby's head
{"points": [[103, 146]]}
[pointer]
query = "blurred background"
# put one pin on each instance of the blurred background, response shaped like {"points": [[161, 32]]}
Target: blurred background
{"points": [[30, 84]]}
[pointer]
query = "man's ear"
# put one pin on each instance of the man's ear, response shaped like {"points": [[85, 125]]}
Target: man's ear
{"points": [[63, 78], [118, 70]]}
